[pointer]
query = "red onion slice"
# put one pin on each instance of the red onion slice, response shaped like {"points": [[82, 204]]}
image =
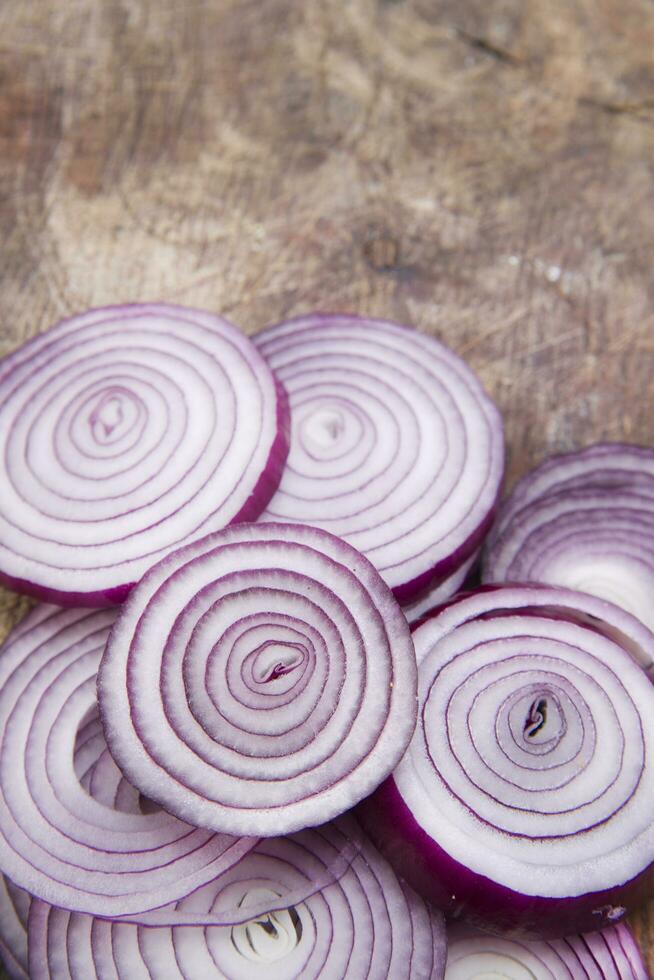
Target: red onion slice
{"points": [[610, 466], [91, 845], [125, 432], [584, 521], [611, 954], [259, 681], [366, 925], [14, 910], [524, 799], [394, 445]]}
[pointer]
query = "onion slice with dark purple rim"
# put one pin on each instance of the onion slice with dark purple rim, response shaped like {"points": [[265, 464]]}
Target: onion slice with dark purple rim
{"points": [[365, 925], [525, 797], [14, 910], [584, 520], [125, 432], [395, 446], [611, 954], [437, 596], [259, 681], [72, 831]]}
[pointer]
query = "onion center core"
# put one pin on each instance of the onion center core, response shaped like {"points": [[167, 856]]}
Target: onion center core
{"points": [[544, 720], [273, 661], [537, 717], [112, 413], [269, 937], [328, 430]]}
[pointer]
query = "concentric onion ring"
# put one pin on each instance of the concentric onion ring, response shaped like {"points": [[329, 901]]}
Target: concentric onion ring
{"points": [[72, 832], [365, 925], [14, 910], [524, 799], [611, 954], [259, 681], [125, 432], [585, 521], [394, 445]]}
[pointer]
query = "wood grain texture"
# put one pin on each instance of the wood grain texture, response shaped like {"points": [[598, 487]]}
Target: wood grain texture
{"points": [[482, 169]]}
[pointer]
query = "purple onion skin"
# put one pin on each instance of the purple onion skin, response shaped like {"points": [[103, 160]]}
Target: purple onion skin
{"points": [[411, 591], [462, 893], [271, 477], [85, 600]]}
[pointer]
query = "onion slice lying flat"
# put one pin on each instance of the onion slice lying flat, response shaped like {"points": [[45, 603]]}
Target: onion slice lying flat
{"points": [[611, 954], [14, 909], [585, 521], [259, 681], [72, 831], [125, 432], [525, 797], [395, 446], [366, 925]]}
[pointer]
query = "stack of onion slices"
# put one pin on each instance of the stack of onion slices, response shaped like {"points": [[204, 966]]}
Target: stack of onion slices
{"points": [[125, 432], [525, 798], [259, 681], [364, 926]]}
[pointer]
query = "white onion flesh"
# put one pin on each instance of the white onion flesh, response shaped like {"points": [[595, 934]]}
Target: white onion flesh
{"points": [[611, 954], [259, 681], [124, 432], [394, 445]]}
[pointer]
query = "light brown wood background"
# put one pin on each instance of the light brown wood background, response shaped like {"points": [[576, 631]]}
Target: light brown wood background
{"points": [[482, 169]]}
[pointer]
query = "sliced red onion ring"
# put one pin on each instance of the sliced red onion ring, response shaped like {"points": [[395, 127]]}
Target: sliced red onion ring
{"points": [[259, 681], [366, 925], [14, 909], [72, 832], [585, 521], [394, 445], [611, 954], [525, 798], [125, 432]]}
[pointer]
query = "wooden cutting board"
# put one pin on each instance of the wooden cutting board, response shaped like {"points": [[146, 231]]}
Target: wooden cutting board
{"points": [[482, 169]]}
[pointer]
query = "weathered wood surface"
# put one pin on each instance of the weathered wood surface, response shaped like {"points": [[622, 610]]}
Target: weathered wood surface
{"points": [[480, 168]]}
